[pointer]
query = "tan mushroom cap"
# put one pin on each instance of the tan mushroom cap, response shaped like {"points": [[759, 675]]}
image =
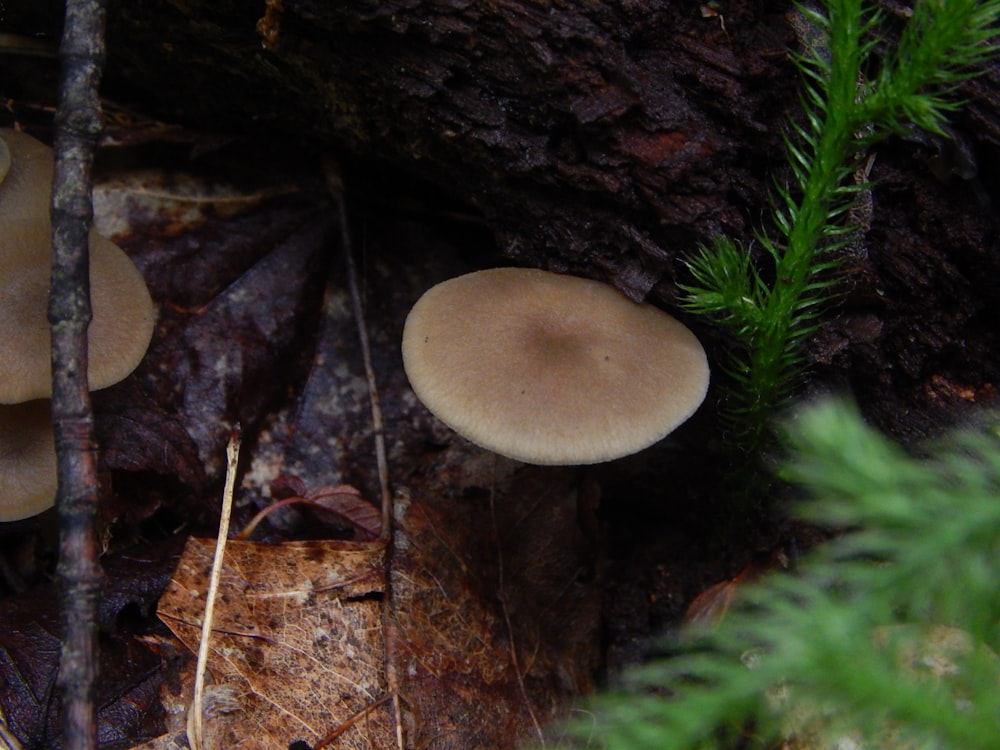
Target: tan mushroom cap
{"points": [[551, 369], [123, 312], [26, 191], [27, 460]]}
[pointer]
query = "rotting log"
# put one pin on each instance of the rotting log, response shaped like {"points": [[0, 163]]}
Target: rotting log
{"points": [[603, 138], [606, 139]]}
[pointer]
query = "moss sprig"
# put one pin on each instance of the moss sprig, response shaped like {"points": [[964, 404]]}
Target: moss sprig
{"points": [[885, 637], [849, 101]]}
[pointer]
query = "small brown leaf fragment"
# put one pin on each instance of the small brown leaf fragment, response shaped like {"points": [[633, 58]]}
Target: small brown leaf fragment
{"points": [[712, 604], [346, 502], [297, 642], [343, 502]]}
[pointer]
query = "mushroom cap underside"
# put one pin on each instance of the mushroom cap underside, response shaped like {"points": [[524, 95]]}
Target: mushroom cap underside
{"points": [[27, 460], [551, 369], [123, 312]]}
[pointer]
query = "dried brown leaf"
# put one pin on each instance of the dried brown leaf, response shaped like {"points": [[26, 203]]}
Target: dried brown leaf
{"points": [[346, 502], [710, 607], [494, 617], [297, 640]]}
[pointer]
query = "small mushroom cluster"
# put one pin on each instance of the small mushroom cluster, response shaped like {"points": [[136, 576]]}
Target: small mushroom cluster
{"points": [[551, 369], [118, 336]]}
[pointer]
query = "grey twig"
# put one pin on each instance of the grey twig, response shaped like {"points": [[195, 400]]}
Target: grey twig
{"points": [[336, 189], [78, 123]]}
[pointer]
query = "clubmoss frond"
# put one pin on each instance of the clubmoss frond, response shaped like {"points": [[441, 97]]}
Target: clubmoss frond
{"points": [[843, 113], [839, 650]]}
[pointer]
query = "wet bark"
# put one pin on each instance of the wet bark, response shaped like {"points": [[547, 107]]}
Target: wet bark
{"points": [[603, 138], [608, 140]]}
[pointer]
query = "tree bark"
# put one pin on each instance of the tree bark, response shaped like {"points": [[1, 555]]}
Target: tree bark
{"points": [[600, 137], [609, 140]]}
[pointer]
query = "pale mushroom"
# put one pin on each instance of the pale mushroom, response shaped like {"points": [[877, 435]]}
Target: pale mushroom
{"points": [[551, 369], [118, 335], [27, 460], [123, 313], [26, 190]]}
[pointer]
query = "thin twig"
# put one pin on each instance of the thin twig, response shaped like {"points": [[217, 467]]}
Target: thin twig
{"points": [[514, 658], [335, 186], [78, 124], [196, 714], [345, 725], [336, 189]]}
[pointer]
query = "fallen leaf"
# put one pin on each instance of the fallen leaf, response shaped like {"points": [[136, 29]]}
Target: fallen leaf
{"points": [[343, 503], [128, 692], [212, 237], [494, 616], [296, 646]]}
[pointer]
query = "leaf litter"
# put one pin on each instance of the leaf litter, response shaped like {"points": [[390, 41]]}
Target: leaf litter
{"points": [[473, 625], [479, 638]]}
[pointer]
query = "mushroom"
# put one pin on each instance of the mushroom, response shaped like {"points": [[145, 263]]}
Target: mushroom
{"points": [[118, 335], [27, 460], [26, 189], [551, 369], [123, 314]]}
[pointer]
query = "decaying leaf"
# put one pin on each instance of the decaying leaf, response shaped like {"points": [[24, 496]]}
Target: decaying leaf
{"points": [[343, 502], [495, 603], [212, 238], [491, 612], [297, 644]]}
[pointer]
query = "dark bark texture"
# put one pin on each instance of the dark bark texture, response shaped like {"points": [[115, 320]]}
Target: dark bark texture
{"points": [[609, 139], [606, 139], [603, 138]]}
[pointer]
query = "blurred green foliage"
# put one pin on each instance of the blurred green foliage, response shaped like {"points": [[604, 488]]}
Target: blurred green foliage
{"points": [[885, 637]]}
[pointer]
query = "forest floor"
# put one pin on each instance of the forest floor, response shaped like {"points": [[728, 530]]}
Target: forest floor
{"points": [[517, 587]]}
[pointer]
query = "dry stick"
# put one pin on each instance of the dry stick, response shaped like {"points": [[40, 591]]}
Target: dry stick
{"points": [[378, 424], [336, 189], [196, 714], [514, 659], [78, 123], [345, 725]]}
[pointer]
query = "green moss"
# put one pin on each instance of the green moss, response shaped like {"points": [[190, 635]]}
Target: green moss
{"points": [[850, 100], [886, 637]]}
